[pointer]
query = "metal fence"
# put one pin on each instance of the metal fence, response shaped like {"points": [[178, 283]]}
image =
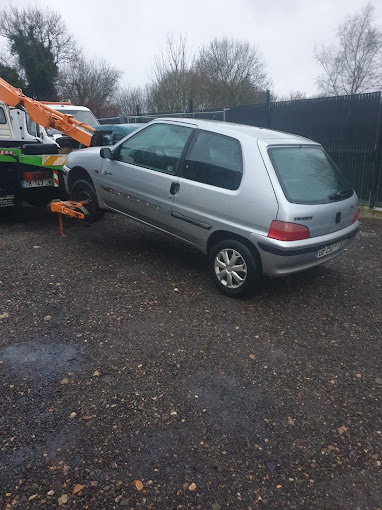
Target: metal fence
{"points": [[349, 128], [211, 114]]}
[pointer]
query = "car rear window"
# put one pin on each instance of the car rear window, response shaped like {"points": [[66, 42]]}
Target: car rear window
{"points": [[308, 176]]}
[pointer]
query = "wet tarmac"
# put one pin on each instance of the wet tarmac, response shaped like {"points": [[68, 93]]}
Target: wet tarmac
{"points": [[109, 376]]}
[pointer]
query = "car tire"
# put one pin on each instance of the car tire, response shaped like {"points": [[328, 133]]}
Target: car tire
{"points": [[83, 190], [223, 257]]}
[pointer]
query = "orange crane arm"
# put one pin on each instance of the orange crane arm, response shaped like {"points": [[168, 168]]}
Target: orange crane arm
{"points": [[45, 116]]}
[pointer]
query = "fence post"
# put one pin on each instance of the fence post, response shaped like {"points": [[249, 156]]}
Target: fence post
{"points": [[268, 100], [377, 167]]}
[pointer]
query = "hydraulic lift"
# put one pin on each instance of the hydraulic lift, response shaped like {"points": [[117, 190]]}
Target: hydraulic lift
{"points": [[68, 208]]}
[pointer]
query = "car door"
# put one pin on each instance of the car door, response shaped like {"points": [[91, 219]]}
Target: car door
{"points": [[140, 179], [208, 185]]}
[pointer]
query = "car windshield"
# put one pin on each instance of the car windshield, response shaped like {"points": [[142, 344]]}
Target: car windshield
{"points": [[308, 176], [81, 115]]}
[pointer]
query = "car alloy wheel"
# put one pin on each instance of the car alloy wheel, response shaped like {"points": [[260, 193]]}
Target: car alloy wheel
{"points": [[233, 267], [230, 268]]}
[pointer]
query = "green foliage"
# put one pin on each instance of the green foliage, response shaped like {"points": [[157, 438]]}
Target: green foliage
{"points": [[38, 43], [10, 75], [37, 62]]}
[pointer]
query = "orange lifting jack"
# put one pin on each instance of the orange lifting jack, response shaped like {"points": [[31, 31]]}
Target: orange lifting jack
{"points": [[68, 208]]}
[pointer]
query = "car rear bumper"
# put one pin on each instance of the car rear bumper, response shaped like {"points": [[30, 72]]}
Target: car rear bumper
{"points": [[282, 258]]}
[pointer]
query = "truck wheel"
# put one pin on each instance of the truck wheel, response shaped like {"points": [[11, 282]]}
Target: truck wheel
{"points": [[83, 190], [232, 267]]}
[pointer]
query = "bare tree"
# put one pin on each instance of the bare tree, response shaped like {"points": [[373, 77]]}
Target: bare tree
{"points": [[129, 98], [92, 83], [226, 72], [231, 72], [355, 64], [297, 96], [170, 88], [292, 96]]}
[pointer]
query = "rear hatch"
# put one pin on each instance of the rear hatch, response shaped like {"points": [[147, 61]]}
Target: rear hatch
{"points": [[311, 189]]}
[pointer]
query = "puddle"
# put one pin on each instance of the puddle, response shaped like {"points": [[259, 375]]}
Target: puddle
{"points": [[39, 360]]}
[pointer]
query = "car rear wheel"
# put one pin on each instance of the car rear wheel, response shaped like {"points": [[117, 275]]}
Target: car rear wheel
{"points": [[83, 190], [233, 267]]}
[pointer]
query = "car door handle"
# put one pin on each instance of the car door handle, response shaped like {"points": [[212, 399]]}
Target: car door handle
{"points": [[174, 189], [108, 173]]}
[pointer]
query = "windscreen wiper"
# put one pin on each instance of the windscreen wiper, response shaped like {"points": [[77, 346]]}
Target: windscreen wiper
{"points": [[343, 193]]}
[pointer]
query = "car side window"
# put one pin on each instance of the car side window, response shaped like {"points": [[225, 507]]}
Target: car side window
{"points": [[2, 116], [117, 137], [101, 138], [214, 159], [157, 147]]}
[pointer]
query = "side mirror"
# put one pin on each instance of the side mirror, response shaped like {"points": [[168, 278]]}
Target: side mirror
{"points": [[106, 153]]}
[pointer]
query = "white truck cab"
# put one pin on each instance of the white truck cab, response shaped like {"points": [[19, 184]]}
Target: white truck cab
{"points": [[15, 124]]}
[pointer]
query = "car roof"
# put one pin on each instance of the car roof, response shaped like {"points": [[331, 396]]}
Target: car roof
{"points": [[135, 124], [119, 127], [232, 129], [68, 107]]}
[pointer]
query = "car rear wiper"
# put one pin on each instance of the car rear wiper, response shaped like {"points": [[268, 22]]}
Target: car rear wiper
{"points": [[343, 193]]}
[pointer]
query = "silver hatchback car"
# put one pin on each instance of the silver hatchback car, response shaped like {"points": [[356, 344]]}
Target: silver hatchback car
{"points": [[257, 202]]}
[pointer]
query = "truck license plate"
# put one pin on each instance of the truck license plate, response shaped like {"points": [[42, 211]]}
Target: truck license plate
{"points": [[326, 250], [37, 183]]}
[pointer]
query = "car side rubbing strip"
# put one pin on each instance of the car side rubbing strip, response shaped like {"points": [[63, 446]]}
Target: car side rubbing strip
{"points": [[191, 220]]}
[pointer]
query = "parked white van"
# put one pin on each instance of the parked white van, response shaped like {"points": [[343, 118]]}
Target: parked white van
{"points": [[80, 113]]}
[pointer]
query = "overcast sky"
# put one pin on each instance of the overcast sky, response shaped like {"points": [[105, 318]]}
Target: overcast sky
{"points": [[129, 33]]}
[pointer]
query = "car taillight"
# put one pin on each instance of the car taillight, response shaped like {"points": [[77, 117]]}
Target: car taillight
{"points": [[355, 217], [285, 231], [36, 176]]}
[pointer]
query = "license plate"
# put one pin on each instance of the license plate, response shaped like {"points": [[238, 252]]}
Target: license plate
{"points": [[37, 183], [326, 250]]}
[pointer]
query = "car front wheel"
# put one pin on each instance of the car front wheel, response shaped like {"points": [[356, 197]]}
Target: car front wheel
{"points": [[233, 267], [83, 190]]}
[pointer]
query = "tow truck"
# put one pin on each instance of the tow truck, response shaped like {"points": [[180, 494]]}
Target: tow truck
{"points": [[31, 168]]}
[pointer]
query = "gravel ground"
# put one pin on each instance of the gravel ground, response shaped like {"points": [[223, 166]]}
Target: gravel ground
{"points": [[128, 381]]}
